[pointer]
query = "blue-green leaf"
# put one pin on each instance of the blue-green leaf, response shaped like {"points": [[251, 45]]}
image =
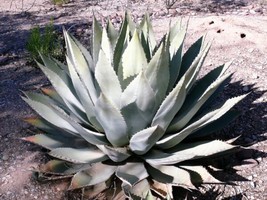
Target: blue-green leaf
{"points": [[79, 155], [131, 173], [133, 65], [112, 122], [144, 140], [107, 79], [98, 173]]}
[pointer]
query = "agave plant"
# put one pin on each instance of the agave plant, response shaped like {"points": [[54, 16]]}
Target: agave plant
{"points": [[131, 111]]}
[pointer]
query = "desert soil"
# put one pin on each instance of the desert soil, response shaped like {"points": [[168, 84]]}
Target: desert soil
{"points": [[239, 31]]}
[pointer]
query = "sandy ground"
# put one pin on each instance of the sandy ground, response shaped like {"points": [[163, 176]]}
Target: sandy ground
{"points": [[239, 31]]}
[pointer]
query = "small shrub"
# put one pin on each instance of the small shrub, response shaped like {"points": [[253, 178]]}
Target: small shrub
{"points": [[46, 43], [59, 2]]}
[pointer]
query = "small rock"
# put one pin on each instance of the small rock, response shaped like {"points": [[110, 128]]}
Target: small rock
{"points": [[172, 12], [162, 13], [251, 50], [250, 178], [252, 184], [5, 157], [252, 12], [258, 9]]}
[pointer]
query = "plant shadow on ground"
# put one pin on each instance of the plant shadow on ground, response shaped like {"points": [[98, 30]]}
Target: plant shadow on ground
{"points": [[249, 129]]}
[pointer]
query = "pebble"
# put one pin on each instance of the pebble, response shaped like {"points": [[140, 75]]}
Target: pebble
{"points": [[251, 50], [258, 9], [5, 157], [253, 184], [252, 12]]}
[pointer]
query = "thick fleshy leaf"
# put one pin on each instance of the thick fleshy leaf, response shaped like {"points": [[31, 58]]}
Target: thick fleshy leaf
{"points": [[139, 191], [174, 29], [90, 136], [133, 65], [82, 93], [175, 49], [85, 52], [55, 67], [215, 125], [60, 167], [190, 55], [42, 124], [174, 139], [202, 85], [144, 140], [85, 99], [96, 40], [112, 34], [45, 111], [147, 36], [170, 106], [190, 109], [139, 91], [107, 79], [123, 39], [112, 122], [98, 173], [170, 174], [157, 73], [196, 67], [115, 154], [63, 89], [50, 142], [188, 151], [134, 119], [61, 65], [81, 66], [53, 95], [138, 104], [79, 155], [131, 173], [106, 47]]}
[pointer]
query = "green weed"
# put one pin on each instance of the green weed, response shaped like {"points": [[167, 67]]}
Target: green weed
{"points": [[46, 43]]}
